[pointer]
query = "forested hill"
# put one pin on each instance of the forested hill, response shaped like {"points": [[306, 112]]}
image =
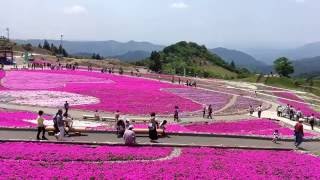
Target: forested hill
{"points": [[192, 59]]}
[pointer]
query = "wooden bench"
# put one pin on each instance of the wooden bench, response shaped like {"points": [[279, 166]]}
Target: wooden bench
{"points": [[91, 117], [139, 120], [146, 131], [77, 131], [108, 119]]}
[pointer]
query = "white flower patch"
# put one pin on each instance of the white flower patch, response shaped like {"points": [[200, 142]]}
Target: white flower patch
{"points": [[46, 98]]}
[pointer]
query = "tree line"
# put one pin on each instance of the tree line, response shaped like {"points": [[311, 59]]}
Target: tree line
{"points": [[54, 49]]}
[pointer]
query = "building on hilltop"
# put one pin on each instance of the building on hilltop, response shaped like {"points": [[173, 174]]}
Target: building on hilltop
{"points": [[6, 51]]}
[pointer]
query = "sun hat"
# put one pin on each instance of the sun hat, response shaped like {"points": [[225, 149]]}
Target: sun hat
{"points": [[130, 126]]}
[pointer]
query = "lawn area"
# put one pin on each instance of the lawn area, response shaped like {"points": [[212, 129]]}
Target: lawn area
{"points": [[219, 72]]}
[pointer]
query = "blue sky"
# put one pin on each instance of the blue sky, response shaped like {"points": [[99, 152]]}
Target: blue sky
{"points": [[235, 23]]}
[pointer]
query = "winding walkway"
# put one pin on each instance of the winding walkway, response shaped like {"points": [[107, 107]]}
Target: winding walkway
{"points": [[173, 140]]}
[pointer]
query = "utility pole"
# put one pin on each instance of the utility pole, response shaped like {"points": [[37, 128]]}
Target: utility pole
{"points": [[61, 39], [8, 33]]}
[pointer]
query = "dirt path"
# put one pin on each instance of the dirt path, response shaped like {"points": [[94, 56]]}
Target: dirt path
{"points": [[231, 102]]}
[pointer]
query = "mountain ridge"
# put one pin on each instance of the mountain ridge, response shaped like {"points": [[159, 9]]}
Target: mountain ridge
{"points": [[107, 48], [241, 59]]}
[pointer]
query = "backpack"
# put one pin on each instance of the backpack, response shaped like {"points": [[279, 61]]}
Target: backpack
{"points": [[55, 120]]}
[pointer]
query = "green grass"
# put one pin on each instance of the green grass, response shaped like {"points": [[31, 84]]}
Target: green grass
{"points": [[219, 71], [287, 83], [282, 82]]}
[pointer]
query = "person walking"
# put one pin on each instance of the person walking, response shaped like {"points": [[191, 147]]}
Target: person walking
{"points": [[66, 107], [204, 111], [176, 114], [291, 113], [129, 136], [153, 125], [117, 115], [259, 110], [279, 111], [251, 110], [298, 115], [41, 126], [210, 112], [312, 121], [60, 123], [298, 133]]}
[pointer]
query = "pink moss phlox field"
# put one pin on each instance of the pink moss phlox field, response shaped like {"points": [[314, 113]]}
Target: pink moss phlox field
{"points": [[29, 80], [129, 95], [263, 127], [2, 75], [216, 99], [193, 163], [305, 108], [16, 118], [54, 152], [255, 127], [242, 104]]}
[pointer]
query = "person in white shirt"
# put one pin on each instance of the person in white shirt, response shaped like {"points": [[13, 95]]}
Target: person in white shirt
{"points": [[279, 111], [129, 136], [259, 110]]}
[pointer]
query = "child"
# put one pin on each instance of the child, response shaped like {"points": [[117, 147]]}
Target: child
{"points": [[275, 136]]}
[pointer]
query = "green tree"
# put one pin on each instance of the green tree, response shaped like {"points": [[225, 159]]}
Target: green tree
{"points": [[156, 64], [283, 66], [46, 45], [98, 57], [60, 49], [64, 53], [93, 56], [54, 49], [232, 65]]}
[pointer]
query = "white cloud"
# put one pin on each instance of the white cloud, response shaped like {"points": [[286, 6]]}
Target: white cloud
{"points": [[76, 9], [179, 5]]}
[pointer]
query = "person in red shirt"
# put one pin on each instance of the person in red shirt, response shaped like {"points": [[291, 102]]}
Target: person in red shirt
{"points": [[298, 132]]}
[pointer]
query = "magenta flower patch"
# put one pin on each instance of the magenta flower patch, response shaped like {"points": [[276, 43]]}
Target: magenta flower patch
{"points": [[305, 108], [53, 152], [44, 161], [127, 94]]}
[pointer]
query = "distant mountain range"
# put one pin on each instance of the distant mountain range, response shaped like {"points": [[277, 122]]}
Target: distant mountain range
{"points": [[306, 58], [269, 55], [105, 48], [307, 66], [241, 59], [132, 56]]}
